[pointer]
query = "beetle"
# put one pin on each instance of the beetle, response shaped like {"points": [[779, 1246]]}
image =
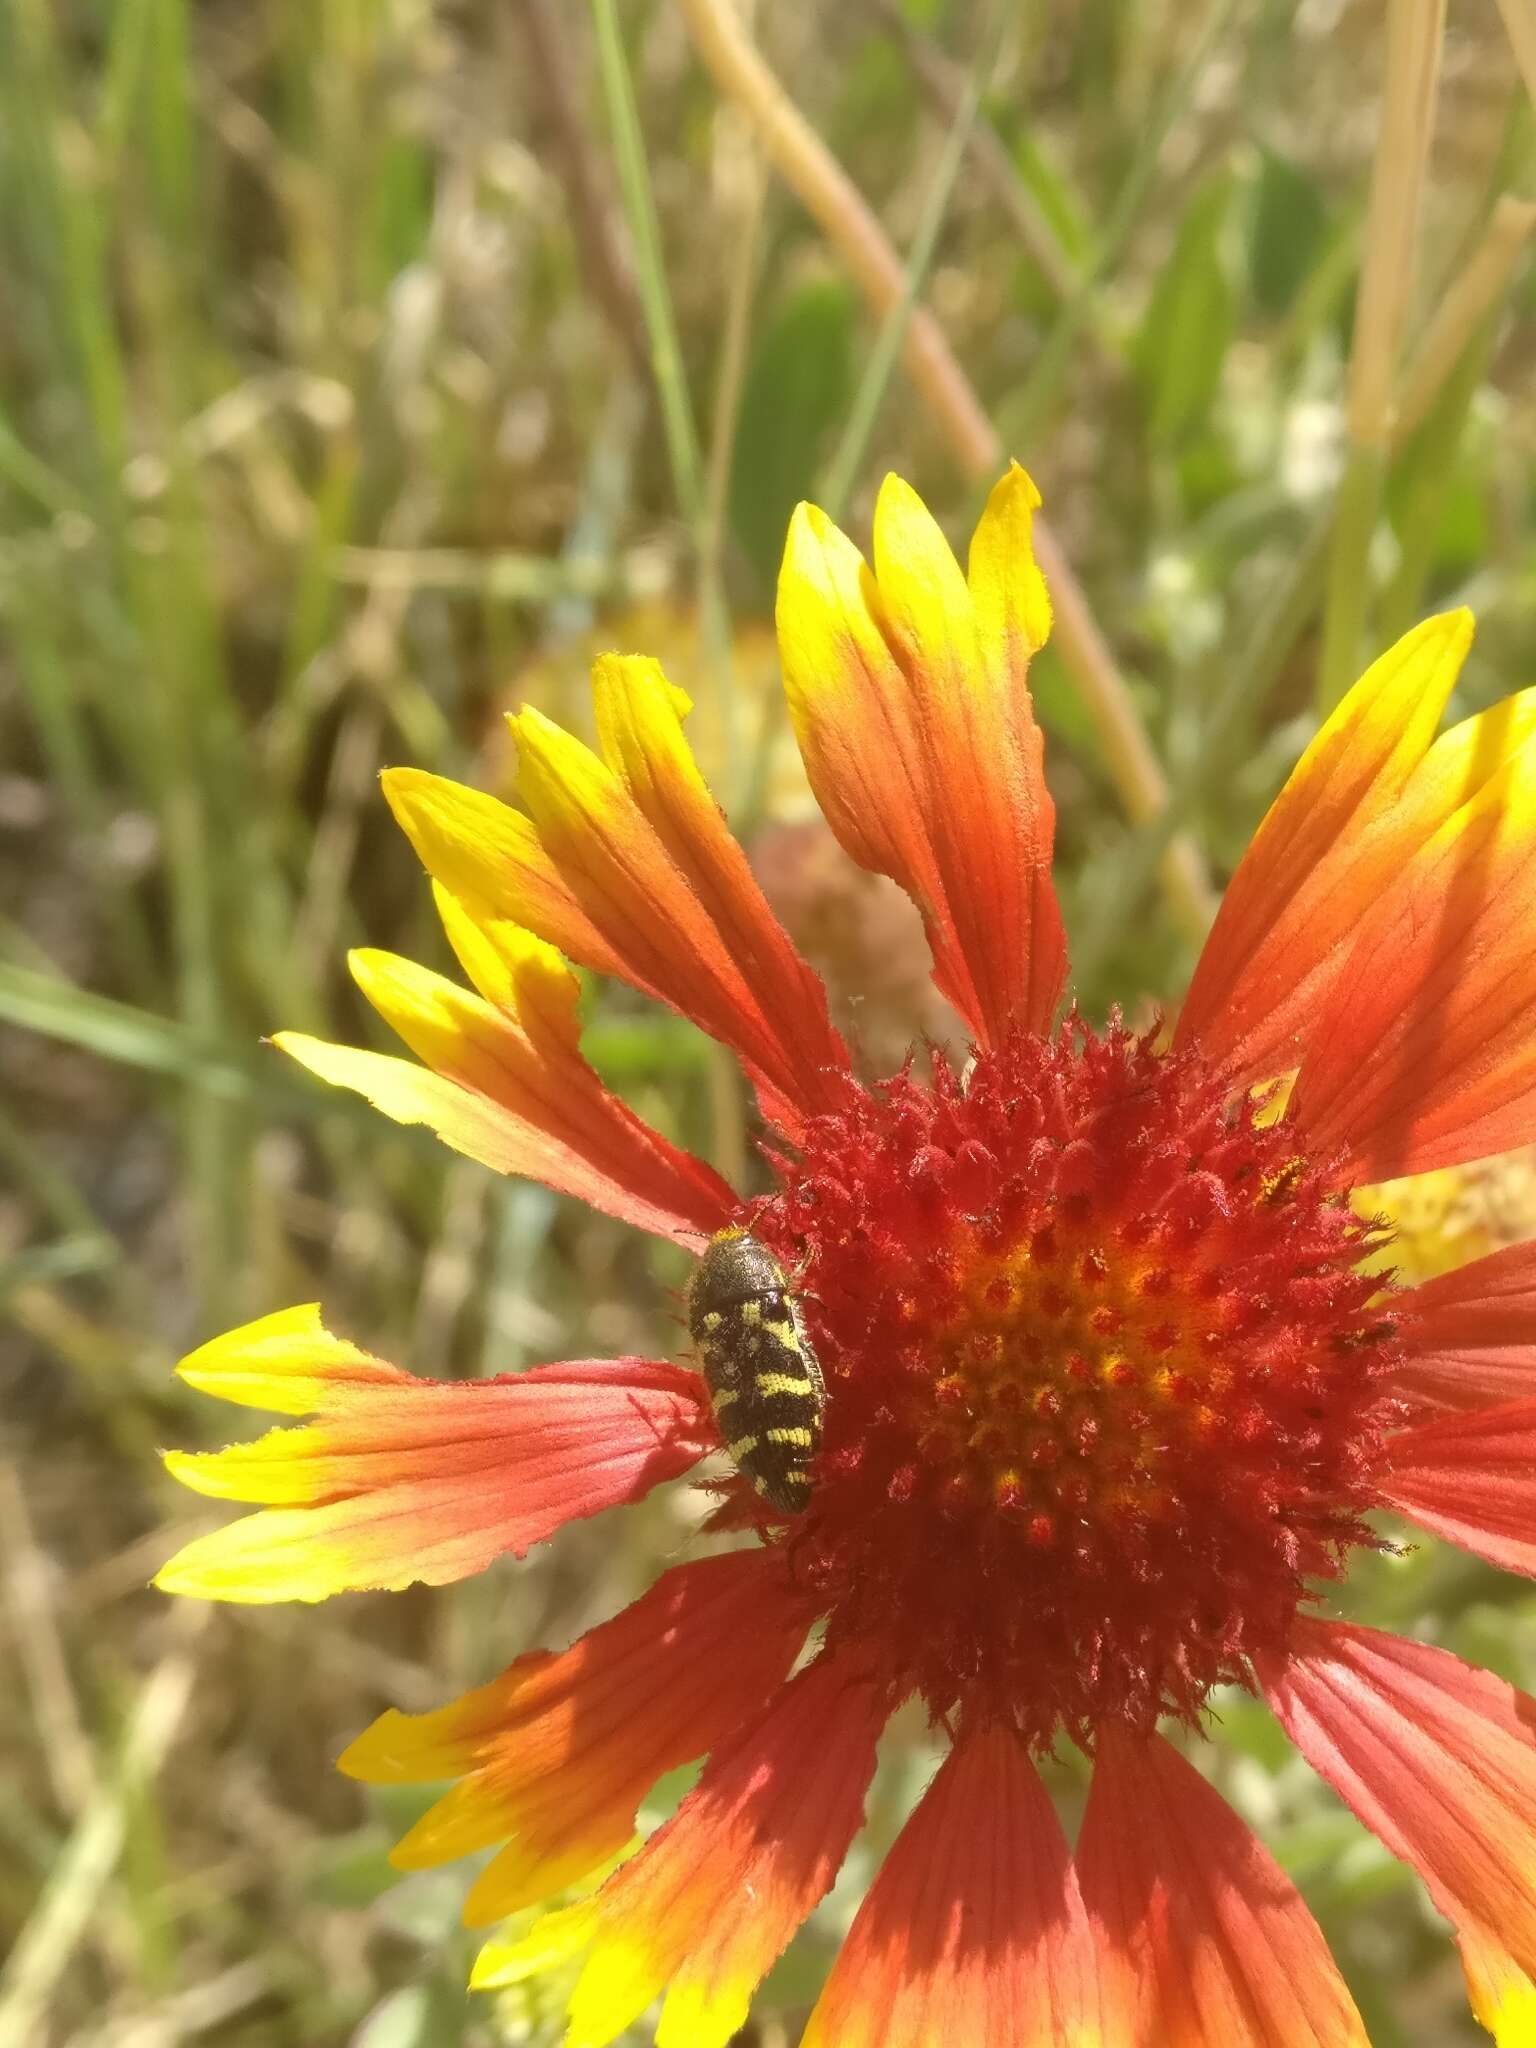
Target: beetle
{"points": [[764, 1379]]}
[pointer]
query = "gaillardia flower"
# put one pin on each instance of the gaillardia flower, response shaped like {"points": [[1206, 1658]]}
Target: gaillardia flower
{"points": [[1113, 1381]]}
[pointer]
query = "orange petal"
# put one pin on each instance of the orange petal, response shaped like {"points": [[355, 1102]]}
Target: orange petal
{"points": [[508, 1085], [1438, 1760], [640, 730], [1424, 1053], [644, 849], [627, 866], [1467, 1335], [1471, 1479], [851, 706], [712, 1899], [909, 699], [973, 1931], [554, 1757], [404, 1479], [1337, 833], [1206, 1943]]}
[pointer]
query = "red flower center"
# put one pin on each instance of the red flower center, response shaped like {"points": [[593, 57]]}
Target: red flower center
{"points": [[1104, 1384]]}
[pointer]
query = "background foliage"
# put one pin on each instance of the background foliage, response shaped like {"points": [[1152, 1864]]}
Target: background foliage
{"points": [[328, 429]]}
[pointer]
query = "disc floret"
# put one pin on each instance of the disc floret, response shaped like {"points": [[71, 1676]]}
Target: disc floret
{"points": [[1105, 1381]]}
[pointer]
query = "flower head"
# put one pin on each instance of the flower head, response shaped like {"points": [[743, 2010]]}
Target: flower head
{"points": [[1107, 1376]]}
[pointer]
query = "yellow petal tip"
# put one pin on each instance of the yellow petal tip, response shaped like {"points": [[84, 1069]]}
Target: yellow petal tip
{"points": [[191, 1581], [1019, 478], [808, 524], [397, 785], [895, 490], [1449, 630], [552, 1939], [355, 1761]]}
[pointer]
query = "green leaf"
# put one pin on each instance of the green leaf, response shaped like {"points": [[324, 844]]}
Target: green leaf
{"points": [[1287, 231], [1188, 326], [1053, 193], [797, 388]]}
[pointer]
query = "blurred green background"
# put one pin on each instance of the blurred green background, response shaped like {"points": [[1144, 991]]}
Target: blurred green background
{"points": [[328, 429]]}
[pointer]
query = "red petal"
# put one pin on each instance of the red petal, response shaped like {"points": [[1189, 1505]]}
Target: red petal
{"points": [[1205, 1941], [1470, 1336], [1471, 1479], [1438, 1760], [1332, 839], [712, 1899], [640, 730], [973, 1932], [555, 1756], [403, 1479]]}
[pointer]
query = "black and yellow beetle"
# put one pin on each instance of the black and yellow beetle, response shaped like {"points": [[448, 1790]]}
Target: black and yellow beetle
{"points": [[764, 1381]]}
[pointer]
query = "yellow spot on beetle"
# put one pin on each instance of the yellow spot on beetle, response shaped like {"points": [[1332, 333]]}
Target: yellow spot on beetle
{"points": [[775, 1383]]}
